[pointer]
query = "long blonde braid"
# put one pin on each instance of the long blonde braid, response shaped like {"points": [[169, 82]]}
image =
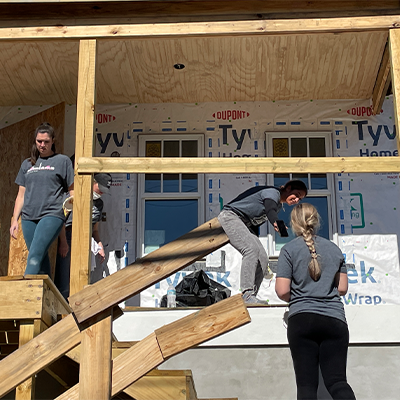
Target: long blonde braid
{"points": [[305, 222]]}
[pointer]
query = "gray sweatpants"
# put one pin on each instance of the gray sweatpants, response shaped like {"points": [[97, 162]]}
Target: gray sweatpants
{"points": [[255, 258]]}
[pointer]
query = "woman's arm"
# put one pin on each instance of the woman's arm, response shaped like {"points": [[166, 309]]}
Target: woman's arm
{"points": [[282, 288], [342, 282], [19, 203]]}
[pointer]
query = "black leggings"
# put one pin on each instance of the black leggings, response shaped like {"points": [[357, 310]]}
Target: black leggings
{"points": [[317, 340]]}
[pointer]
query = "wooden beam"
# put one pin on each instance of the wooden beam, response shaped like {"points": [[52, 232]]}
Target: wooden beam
{"points": [[172, 339], [95, 365], [209, 28], [82, 218], [394, 49], [148, 270], [28, 330], [38, 353], [229, 165], [201, 326], [382, 83]]}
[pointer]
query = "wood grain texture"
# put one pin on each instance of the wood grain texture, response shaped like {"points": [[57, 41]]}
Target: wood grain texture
{"points": [[82, 221], [203, 325], [128, 367], [26, 390], [218, 68], [38, 353], [238, 165], [394, 50], [218, 28], [148, 270], [382, 83], [95, 365], [172, 339]]}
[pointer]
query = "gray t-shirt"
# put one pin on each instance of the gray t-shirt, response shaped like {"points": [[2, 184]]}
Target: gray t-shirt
{"points": [[306, 295], [250, 203], [45, 186]]}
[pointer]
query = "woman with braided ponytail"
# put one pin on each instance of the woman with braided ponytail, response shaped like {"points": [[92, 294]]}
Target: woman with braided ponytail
{"points": [[312, 276]]}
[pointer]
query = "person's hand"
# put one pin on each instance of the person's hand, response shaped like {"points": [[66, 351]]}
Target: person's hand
{"points": [[102, 255], [63, 248], [14, 229], [276, 227]]}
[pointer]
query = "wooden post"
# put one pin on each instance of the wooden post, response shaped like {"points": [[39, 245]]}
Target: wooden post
{"points": [[82, 219], [95, 368], [394, 50], [28, 330]]}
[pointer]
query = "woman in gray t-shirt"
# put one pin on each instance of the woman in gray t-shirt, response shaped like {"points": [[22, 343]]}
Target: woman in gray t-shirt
{"points": [[312, 276], [43, 181]]}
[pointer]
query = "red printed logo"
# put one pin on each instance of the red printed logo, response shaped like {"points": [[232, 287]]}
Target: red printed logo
{"points": [[231, 114], [361, 111], [104, 118]]}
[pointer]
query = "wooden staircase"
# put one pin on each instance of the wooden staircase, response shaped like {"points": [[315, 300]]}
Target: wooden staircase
{"points": [[35, 302]]}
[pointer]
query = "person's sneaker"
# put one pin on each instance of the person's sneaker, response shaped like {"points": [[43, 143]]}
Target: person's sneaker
{"points": [[250, 298]]}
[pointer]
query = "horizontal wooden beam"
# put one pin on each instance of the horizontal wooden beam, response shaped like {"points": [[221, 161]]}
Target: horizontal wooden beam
{"points": [[209, 28], [247, 165]]}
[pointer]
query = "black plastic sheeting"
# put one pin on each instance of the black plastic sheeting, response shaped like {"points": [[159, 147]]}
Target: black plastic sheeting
{"points": [[198, 289]]}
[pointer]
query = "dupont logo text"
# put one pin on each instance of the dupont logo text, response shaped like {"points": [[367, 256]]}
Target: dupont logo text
{"points": [[361, 111], [231, 115], [104, 118]]}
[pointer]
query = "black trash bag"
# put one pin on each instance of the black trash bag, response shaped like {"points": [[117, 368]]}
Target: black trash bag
{"points": [[197, 289]]}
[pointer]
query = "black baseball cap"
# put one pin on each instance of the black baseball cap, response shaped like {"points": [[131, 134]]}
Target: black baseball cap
{"points": [[104, 182]]}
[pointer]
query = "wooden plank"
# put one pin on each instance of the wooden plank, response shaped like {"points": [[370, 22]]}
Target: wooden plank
{"points": [[382, 83], [159, 387], [26, 390], [21, 299], [209, 28], [95, 366], [394, 50], [38, 353], [36, 9], [172, 339], [82, 221], [28, 330], [148, 270], [230, 165], [129, 366], [203, 325]]}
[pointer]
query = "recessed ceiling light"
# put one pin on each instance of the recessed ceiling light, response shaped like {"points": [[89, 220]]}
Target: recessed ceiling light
{"points": [[179, 66]]}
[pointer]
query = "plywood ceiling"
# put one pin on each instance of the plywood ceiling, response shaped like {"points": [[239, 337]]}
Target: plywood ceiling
{"points": [[259, 68]]}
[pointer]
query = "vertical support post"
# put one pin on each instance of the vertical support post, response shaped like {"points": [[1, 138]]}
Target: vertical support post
{"points": [[394, 50], [95, 365], [82, 218], [27, 331]]}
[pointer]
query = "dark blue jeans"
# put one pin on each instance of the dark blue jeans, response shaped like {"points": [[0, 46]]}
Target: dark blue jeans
{"points": [[63, 265], [39, 235]]}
